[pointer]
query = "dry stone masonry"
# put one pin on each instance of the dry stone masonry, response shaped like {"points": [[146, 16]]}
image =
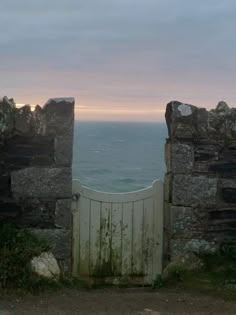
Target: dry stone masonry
{"points": [[200, 184], [35, 170]]}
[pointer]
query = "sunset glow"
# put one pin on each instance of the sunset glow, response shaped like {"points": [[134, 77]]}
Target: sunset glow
{"points": [[116, 114]]}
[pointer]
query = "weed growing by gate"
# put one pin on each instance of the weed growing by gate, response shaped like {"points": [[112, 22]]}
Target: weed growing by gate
{"points": [[217, 276]]}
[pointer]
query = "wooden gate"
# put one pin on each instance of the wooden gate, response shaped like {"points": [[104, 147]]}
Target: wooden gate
{"points": [[117, 237]]}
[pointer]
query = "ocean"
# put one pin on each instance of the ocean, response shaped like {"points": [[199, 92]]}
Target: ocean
{"points": [[118, 156]]}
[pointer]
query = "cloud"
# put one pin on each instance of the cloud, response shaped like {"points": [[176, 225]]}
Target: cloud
{"points": [[122, 52]]}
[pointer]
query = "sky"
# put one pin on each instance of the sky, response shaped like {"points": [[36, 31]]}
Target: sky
{"points": [[120, 59]]}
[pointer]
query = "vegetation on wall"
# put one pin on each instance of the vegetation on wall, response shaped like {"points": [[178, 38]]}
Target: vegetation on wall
{"points": [[17, 248]]}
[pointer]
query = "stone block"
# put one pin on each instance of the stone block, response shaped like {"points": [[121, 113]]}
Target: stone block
{"points": [[24, 122], [201, 123], [180, 120], [181, 220], [222, 215], [229, 195], [225, 169], [63, 213], [168, 187], [41, 182], [227, 189], [207, 152], [21, 151], [59, 116], [179, 247], [9, 211], [37, 212], [222, 223], [63, 150], [7, 110], [184, 131], [191, 190], [182, 157], [4, 184], [29, 146], [216, 125]]}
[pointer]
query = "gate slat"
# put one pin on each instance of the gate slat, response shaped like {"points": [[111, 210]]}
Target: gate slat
{"points": [[105, 267], [127, 239], [76, 245], [95, 236], [158, 193], [84, 214], [116, 238], [137, 264], [148, 240]]}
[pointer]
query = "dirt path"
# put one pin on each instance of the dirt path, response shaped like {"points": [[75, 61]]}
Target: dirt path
{"points": [[116, 301]]}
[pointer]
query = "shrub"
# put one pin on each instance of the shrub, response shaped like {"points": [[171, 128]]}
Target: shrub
{"points": [[17, 248]]}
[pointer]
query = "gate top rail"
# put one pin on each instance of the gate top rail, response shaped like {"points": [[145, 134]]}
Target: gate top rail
{"points": [[132, 196]]}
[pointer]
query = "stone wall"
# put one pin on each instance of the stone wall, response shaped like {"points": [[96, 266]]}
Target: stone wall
{"points": [[35, 170], [200, 184]]}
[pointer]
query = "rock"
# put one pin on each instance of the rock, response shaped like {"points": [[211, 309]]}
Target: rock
{"points": [[59, 116], [24, 123], [182, 157], [201, 246], [45, 182], [222, 107], [183, 263], [190, 190], [46, 266], [181, 246], [63, 147], [182, 220], [63, 214], [7, 109], [179, 119]]}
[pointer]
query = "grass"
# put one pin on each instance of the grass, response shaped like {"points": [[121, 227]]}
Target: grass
{"points": [[18, 247], [217, 277]]}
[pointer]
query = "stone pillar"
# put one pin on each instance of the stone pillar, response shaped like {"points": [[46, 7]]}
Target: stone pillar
{"points": [[35, 171], [200, 183]]}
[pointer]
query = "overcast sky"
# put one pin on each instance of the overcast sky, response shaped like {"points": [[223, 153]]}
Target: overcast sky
{"points": [[120, 59]]}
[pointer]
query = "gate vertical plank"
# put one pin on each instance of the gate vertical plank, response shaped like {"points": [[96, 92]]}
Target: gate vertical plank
{"points": [[137, 263], [148, 241], [76, 187], [76, 249], [95, 236], [158, 196], [84, 238], [127, 239], [105, 267], [116, 219]]}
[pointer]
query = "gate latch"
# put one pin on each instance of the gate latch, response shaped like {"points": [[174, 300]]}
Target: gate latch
{"points": [[75, 197]]}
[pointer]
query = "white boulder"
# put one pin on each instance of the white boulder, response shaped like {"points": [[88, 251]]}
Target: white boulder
{"points": [[46, 266]]}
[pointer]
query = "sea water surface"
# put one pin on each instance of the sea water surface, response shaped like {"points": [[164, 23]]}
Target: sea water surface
{"points": [[118, 156]]}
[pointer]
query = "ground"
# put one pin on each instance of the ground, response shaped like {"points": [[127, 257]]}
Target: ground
{"points": [[116, 301]]}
